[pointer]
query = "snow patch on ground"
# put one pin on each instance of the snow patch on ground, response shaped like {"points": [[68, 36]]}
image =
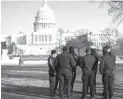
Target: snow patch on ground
{"points": [[25, 72], [25, 82], [15, 61]]}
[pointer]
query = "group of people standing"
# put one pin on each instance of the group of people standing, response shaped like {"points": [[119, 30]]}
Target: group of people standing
{"points": [[62, 70]]}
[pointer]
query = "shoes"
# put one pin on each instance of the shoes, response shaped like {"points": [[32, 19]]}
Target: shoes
{"points": [[62, 98], [71, 94], [52, 95], [84, 97], [111, 97], [65, 95], [92, 97]]}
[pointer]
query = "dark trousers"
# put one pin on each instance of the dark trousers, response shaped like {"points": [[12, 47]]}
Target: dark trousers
{"points": [[57, 80], [88, 75], [53, 82], [65, 87], [95, 73], [73, 80], [103, 84], [65, 78], [108, 80]]}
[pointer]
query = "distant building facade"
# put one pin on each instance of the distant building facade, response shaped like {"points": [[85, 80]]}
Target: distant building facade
{"points": [[98, 39], [44, 36], [45, 29], [8, 40], [43, 39], [21, 38], [101, 39]]}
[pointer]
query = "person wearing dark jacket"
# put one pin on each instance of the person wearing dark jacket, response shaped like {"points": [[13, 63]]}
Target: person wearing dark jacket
{"points": [[71, 50], [107, 69], [52, 63], [65, 64], [95, 67], [87, 65]]}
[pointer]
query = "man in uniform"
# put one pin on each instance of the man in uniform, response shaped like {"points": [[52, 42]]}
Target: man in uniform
{"points": [[71, 50], [65, 64], [107, 68], [111, 54], [95, 67], [88, 75], [52, 62]]}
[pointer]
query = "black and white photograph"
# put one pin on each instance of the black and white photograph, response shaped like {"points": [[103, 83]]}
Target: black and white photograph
{"points": [[61, 49]]}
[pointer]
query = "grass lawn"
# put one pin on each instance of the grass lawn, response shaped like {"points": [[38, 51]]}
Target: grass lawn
{"points": [[31, 82]]}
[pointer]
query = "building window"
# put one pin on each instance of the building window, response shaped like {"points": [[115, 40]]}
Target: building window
{"points": [[50, 38], [35, 38], [42, 37], [39, 37], [45, 37], [43, 25]]}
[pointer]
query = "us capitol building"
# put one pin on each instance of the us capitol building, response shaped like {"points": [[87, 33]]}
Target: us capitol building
{"points": [[43, 39]]}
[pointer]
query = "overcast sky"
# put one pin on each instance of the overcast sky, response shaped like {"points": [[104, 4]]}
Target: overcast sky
{"points": [[20, 15]]}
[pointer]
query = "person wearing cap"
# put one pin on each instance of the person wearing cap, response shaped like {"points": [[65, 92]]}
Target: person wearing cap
{"points": [[52, 63], [74, 52], [95, 67], [65, 64], [107, 68], [110, 52], [87, 65], [108, 48]]}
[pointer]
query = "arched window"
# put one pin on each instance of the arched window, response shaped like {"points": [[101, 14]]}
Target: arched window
{"points": [[42, 37], [42, 25], [35, 38], [39, 37], [45, 37], [48, 25], [50, 38]]}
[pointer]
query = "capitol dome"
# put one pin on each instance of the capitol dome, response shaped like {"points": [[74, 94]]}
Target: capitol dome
{"points": [[45, 14]]}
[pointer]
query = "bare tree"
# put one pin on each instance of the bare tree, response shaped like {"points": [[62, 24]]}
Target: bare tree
{"points": [[115, 9], [119, 47], [81, 39], [110, 35], [120, 43]]}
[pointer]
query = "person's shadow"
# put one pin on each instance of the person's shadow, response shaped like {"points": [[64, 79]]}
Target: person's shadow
{"points": [[42, 92], [39, 92]]}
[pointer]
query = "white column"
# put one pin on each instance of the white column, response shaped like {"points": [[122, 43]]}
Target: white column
{"points": [[33, 38], [37, 38], [43, 25]]}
